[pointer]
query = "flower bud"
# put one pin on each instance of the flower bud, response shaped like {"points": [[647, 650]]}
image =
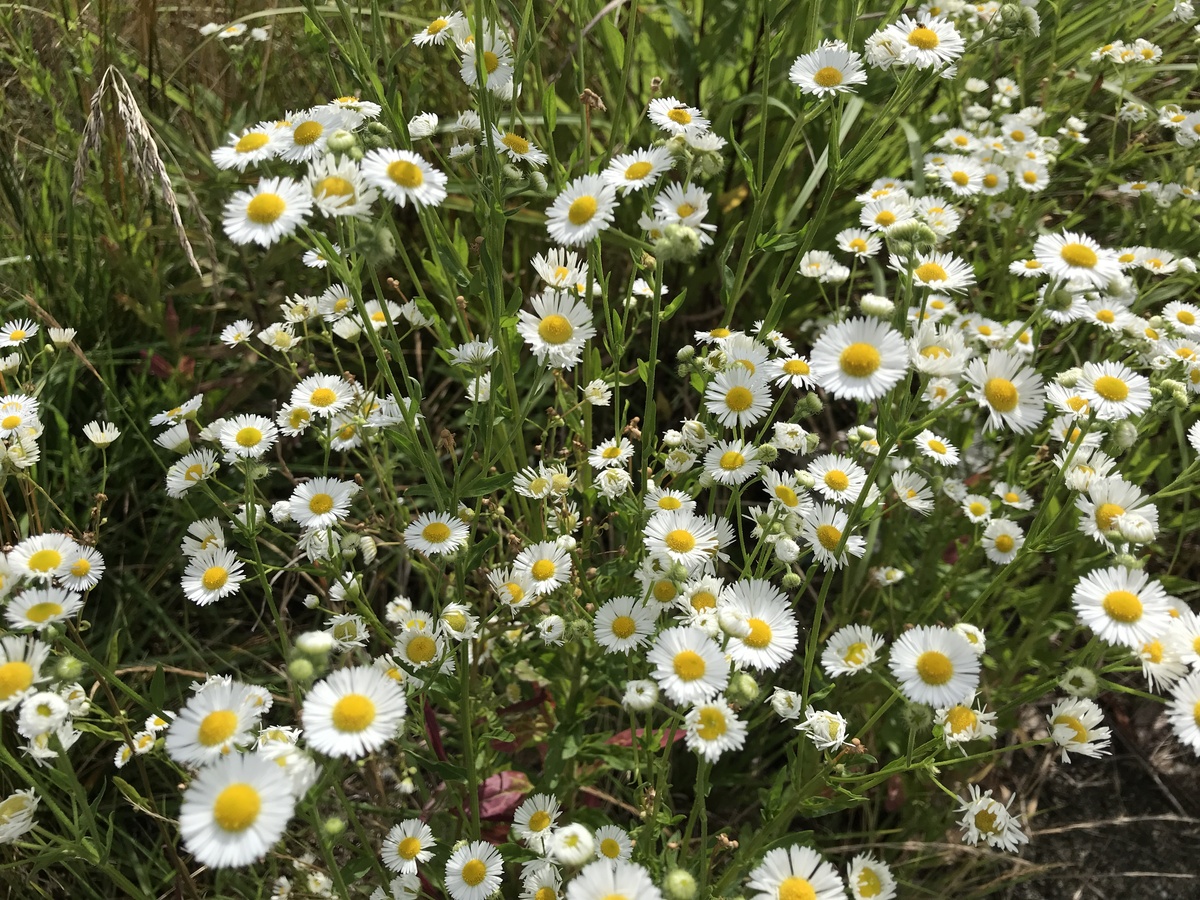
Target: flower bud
{"points": [[1125, 435], [341, 141], [300, 669], [333, 826], [679, 885], [743, 689], [791, 581], [68, 669], [1080, 682]]}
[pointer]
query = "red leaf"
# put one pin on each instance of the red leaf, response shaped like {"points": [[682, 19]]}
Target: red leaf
{"points": [[625, 739], [502, 793]]}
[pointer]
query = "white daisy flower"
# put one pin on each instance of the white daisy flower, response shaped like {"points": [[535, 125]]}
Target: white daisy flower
{"points": [[1114, 391], [254, 145], [738, 398], [641, 168], [1074, 725], [248, 436], [436, 534], [860, 359], [713, 728], [407, 844], [1073, 255], [1012, 394], [581, 211], [401, 176], [534, 820], [934, 665], [306, 134], [822, 529], [830, 69], [557, 329], [218, 719], [1002, 540], [474, 871], [321, 502], [1183, 712], [1122, 606], [353, 712], [39, 608], [791, 873], [689, 665], [675, 117], [517, 148], [21, 662], [546, 563], [235, 810], [870, 879], [772, 634], [270, 211], [851, 649], [338, 187], [731, 462]]}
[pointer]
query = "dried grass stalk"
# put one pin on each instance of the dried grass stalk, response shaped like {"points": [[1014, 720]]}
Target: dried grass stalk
{"points": [[147, 164]]}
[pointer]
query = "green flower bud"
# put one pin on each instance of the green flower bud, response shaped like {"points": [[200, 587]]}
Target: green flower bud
{"points": [[300, 669], [1080, 682], [686, 353], [679, 242], [68, 669], [811, 405], [538, 182], [1125, 435], [791, 581], [768, 453], [333, 826], [679, 885], [743, 689], [341, 141]]}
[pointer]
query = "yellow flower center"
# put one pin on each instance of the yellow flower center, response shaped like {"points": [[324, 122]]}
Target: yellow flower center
{"points": [[680, 541], [45, 560], [1123, 606], [409, 848], [491, 61], [543, 569], [689, 665], [1153, 651], [858, 245], [81, 568], [859, 360], [580, 211], [760, 634], [1029, 176], [930, 271], [436, 532], [1001, 394], [869, 884], [668, 502], [680, 116], [977, 508], [962, 179], [938, 447], [684, 210], [829, 537], [1184, 317], [1079, 255], [320, 504], [217, 727], [664, 591], [828, 76], [855, 654], [323, 397], [333, 186], [248, 437], [15, 678], [985, 821], [353, 713], [214, 578], [555, 329], [298, 417], [885, 217], [961, 718], [836, 480], [1106, 514], [624, 627], [638, 170], [1081, 733], [731, 460], [9, 422], [237, 807], [710, 724], [194, 472], [436, 26], [990, 180], [539, 821], [739, 399], [707, 600], [515, 143], [610, 848], [796, 888], [1004, 543], [923, 38], [421, 649], [934, 667], [308, 133], [1110, 388], [786, 495], [720, 333], [406, 174], [545, 893], [248, 143]]}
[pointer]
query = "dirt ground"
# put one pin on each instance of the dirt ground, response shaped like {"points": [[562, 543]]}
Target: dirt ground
{"points": [[1126, 826]]}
